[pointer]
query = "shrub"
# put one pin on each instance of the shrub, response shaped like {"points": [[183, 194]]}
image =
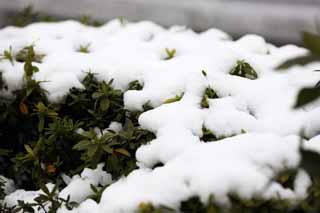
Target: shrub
{"points": [[40, 140]]}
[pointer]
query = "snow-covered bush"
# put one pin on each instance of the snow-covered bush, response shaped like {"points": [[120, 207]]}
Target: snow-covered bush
{"points": [[132, 117]]}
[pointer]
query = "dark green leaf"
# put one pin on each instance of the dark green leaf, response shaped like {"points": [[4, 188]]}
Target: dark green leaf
{"points": [[312, 42], [307, 95], [301, 60], [310, 162], [104, 104]]}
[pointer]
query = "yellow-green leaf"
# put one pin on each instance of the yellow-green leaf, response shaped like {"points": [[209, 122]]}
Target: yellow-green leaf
{"points": [[29, 150]]}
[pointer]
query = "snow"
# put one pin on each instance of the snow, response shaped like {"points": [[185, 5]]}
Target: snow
{"points": [[80, 187], [242, 164], [8, 185], [255, 116], [27, 196]]}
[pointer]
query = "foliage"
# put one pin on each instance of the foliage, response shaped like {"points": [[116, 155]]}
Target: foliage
{"points": [[204, 73], [122, 20], [309, 159], [310, 162], [4, 208], [97, 192], [193, 205], [208, 93], [84, 48], [18, 125], [28, 16], [22, 55], [96, 105], [174, 99], [135, 85], [170, 53], [207, 135], [87, 20], [149, 208], [47, 201], [307, 95], [7, 55], [244, 69], [117, 149], [41, 140], [311, 41]]}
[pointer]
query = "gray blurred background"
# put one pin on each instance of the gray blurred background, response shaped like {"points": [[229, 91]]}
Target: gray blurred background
{"points": [[280, 21]]}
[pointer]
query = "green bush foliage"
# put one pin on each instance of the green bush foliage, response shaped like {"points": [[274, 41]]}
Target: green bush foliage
{"points": [[41, 140]]}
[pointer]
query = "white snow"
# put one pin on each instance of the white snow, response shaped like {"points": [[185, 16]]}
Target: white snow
{"points": [[243, 163], [79, 188]]}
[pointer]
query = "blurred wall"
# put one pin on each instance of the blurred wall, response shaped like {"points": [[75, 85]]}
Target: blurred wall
{"points": [[280, 21]]}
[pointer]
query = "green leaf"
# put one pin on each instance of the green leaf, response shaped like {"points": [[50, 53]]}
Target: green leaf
{"points": [[96, 95], [29, 91], [310, 162], [4, 152], [175, 99], [104, 104], [170, 53], [29, 150], [208, 93], [312, 42], [110, 82], [104, 87], [84, 48], [135, 85], [302, 60], [107, 149], [35, 69], [122, 20], [41, 124], [92, 153], [89, 134], [307, 95], [45, 189], [94, 188], [82, 145], [41, 107]]}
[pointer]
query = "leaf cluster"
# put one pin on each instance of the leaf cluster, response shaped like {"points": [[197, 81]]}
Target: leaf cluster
{"points": [[245, 70], [170, 53], [209, 93]]}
